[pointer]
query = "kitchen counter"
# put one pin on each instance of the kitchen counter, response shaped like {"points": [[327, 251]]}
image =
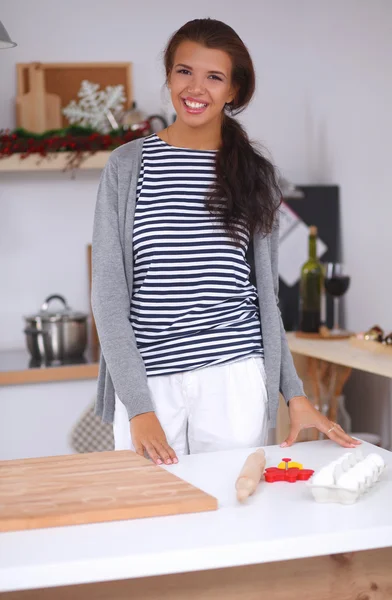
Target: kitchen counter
{"points": [[342, 355], [280, 522], [17, 368], [343, 352]]}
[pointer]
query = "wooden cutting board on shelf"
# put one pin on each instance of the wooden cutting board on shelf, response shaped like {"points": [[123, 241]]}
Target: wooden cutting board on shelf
{"points": [[37, 110], [91, 488]]}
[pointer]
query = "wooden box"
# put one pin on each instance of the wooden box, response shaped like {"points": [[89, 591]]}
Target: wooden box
{"points": [[60, 83]]}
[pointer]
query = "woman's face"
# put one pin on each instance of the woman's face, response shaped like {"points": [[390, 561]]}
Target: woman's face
{"points": [[200, 83]]}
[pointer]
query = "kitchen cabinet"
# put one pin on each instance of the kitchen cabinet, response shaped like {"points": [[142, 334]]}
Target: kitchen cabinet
{"points": [[280, 543], [16, 368], [40, 406], [38, 419]]}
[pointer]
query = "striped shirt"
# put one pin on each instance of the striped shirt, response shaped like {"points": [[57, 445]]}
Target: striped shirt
{"points": [[192, 303]]}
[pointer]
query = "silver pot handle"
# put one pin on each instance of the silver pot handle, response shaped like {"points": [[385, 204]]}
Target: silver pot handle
{"points": [[42, 336], [49, 299]]}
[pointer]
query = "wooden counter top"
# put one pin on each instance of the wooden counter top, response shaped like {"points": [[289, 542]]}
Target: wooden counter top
{"points": [[16, 368], [343, 352]]}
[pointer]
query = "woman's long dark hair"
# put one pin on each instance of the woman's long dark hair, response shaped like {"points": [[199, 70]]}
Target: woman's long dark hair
{"points": [[246, 187]]}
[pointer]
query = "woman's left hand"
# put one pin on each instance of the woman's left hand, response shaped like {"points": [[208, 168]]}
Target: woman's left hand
{"points": [[304, 415]]}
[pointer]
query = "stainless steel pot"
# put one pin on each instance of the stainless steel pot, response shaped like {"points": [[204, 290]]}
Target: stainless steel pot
{"points": [[56, 336]]}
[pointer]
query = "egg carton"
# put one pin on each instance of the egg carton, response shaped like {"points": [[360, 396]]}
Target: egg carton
{"points": [[344, 480]]}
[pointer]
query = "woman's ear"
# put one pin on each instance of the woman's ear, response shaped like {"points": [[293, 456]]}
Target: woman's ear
{"points": [[232, 95], [168, 81]]}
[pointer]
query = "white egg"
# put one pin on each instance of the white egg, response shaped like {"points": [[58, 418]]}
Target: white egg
{"points": [[378, 460], [372, 468], [351, 458], [324, 476], [336, 468], [344, 462], [331, 464], [358, 454], [376, 470], [348, 481], [368, 472], [358, 473]]}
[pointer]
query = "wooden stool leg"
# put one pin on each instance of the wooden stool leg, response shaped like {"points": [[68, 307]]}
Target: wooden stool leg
{"points": [[341, 376], [325, 376], [313, 365]]}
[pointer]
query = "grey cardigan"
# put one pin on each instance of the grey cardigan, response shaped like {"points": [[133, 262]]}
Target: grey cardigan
{"points": [[122, 370]]}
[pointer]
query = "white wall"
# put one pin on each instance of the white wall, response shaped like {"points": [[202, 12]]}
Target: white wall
{"points": [[45, 226], [323, 108]]}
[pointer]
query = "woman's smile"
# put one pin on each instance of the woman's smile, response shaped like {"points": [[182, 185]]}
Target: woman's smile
{"points": [[194, 106]]}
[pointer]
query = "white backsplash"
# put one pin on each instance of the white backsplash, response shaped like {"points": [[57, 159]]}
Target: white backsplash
{"points": [[43, 239]]}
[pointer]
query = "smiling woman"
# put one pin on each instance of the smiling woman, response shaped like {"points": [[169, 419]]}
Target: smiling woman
{"points": [[211, 76], [194, 354], [200, 84]]}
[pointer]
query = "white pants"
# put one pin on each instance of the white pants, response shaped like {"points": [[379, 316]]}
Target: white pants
{"points": [[220, 407]]}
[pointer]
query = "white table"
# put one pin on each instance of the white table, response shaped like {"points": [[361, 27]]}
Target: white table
{"points": [[281, 522]]}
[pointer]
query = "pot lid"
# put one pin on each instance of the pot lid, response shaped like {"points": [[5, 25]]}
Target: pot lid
{"points": [[64, 313]]}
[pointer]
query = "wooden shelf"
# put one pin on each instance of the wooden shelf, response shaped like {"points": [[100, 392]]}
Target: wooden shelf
{"points": [[16, 369], [56, 162]]}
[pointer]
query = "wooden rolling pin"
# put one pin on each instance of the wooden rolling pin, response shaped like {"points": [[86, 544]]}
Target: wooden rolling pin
{"points": [[250, 475]]}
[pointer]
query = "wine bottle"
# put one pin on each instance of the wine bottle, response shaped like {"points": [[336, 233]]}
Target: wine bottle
{"points": [[310, 288]]}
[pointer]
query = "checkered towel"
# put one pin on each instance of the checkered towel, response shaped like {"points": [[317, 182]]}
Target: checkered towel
{"points": [[90, 434]]}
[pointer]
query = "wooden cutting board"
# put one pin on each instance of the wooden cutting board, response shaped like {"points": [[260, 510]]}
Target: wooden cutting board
{"points": [[91, 488], [38, 111]]}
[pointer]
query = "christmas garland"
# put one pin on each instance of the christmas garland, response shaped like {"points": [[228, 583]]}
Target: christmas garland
{"points": [[79, 142]]}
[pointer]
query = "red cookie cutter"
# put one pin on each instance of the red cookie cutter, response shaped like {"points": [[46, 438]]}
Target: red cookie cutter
{"points": [[290, 474]]}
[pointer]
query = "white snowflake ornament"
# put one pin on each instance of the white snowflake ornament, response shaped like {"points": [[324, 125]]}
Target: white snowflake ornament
{"points": [[94, 105]]}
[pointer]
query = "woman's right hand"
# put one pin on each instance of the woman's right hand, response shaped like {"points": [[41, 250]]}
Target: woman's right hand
{"points": [[148, 436]]}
